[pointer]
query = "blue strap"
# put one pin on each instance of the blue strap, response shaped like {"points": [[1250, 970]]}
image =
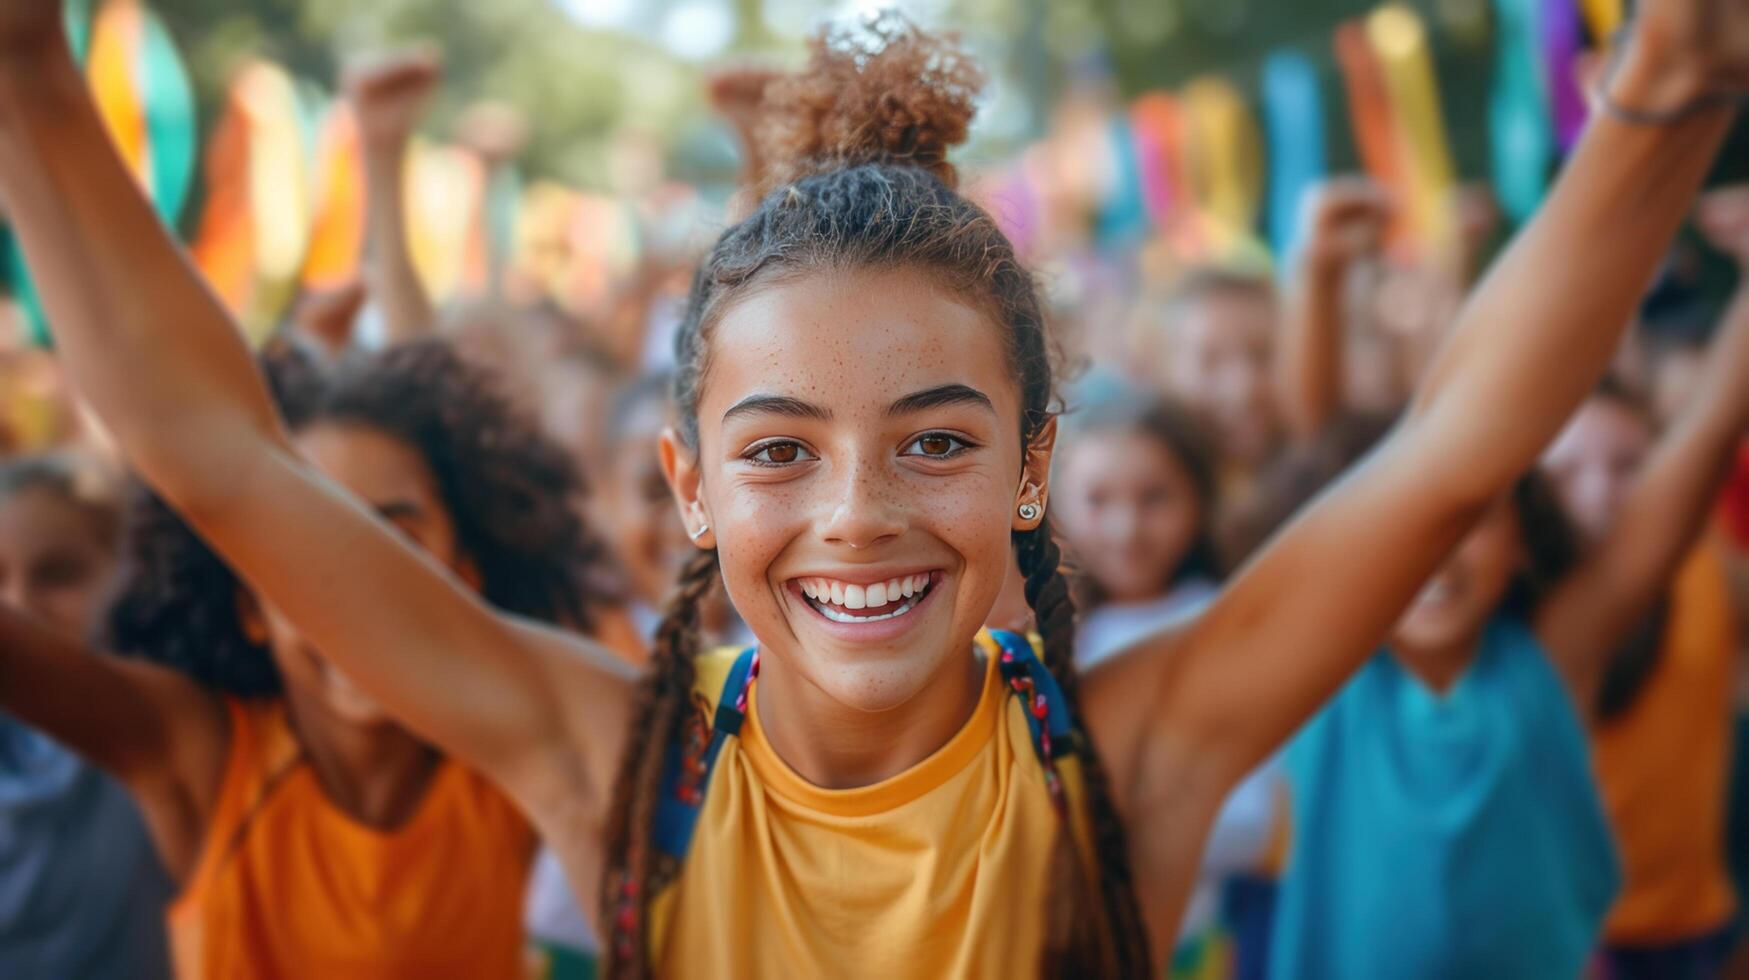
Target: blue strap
{"points": [[1025, 663], [675, 818]]}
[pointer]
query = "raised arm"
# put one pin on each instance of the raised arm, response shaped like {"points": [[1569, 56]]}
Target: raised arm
{"points": [[389, 97], [1344, 222], [158, 732], [1583, 620], [164, 367], [1530, 343]]}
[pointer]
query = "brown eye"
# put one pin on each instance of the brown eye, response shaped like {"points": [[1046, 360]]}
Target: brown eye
{"points": [[937, 445], [779, 454]]}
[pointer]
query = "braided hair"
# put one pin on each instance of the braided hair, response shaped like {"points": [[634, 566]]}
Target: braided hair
{"points": [[859, 178]]}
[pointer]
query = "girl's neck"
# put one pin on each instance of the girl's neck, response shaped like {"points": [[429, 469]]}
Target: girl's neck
{"points": [[375, 774], [1439, 666], [835, 747]]}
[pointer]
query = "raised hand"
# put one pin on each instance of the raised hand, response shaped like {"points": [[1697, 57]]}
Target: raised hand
{"points": [[1344, 220], [1723, 217], [1683, 54], [391, 94]]}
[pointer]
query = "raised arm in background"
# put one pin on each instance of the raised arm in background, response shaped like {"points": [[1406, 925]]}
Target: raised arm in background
{"points": [[389, 97], [1583, 620], [1188, 713], [159, 733], [166, 369], [1343, 223]]}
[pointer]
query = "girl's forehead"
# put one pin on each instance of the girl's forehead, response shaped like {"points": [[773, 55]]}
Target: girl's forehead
{"points": [[854, 339]]}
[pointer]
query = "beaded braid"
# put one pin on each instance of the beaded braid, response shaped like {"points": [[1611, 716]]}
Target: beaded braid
{"points": [[1115, 944], [661, 715]]}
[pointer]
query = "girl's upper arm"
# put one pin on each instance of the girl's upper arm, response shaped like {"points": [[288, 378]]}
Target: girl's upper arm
{"points": [[159, 732], [513, 699], [1529, 344], [160, 360]]}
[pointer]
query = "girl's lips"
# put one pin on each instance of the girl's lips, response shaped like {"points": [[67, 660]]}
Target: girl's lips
{"points": [[866, 625]]}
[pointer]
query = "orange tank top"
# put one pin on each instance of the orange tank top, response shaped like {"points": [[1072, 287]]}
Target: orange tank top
{"points": [[287, 885], [1663, 767]]}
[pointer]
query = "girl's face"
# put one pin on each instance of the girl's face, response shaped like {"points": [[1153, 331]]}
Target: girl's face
{"points": [[1217, 362], [859, 467], [53, 563], [1128, 509], [1594, 459], [393, 479], [1458, 601], [636, 510]]}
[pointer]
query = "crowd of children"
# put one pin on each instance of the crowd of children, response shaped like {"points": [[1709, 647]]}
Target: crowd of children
{"points": [[1323, 627]]}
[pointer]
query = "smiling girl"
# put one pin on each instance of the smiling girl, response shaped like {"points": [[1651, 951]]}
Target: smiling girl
{"points": [[864, 395]]}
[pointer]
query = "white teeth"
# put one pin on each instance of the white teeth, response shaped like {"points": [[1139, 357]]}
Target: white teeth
{"points": [[842, 617], [833, 597]]}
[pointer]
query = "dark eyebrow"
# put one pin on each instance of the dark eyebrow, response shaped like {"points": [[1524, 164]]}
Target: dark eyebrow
{"points": [[949, 394], [783, 405], [396, 510]]}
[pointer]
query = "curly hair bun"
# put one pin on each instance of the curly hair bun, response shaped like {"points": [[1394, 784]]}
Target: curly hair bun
{"points": [[884, 91]]}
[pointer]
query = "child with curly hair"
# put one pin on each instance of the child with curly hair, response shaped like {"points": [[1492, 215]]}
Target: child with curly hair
{"points": [[309, 833]]}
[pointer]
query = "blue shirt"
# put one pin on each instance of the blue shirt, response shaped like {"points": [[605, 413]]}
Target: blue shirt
{"points": [[1446, 836], [82, 894]]}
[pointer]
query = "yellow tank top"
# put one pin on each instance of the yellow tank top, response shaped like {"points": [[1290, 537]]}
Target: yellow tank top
{"points": [[289, 886], [1663, 767], [939, 871]]}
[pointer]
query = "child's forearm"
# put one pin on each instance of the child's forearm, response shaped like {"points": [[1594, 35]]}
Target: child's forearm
{"points": [[393, 281], [1546, 320]]}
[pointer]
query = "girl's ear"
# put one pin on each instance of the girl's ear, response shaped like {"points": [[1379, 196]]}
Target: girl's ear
{"points": [[685, 479], [250, 617], [1035, 478]]}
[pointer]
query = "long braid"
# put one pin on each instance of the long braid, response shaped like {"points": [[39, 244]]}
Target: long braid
{"points": [[664, 696], [1116, 943]]}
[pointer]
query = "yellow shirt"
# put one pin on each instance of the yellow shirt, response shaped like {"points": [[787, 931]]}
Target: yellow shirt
{"points": [[289, 886], [939, 871], [1663, 767]]}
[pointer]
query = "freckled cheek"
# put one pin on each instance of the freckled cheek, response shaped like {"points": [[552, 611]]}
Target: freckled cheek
{"points": [[753, 528]]}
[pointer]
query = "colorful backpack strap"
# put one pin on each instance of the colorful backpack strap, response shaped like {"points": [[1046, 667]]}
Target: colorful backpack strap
{"points": [[687, 771], [1047, 714]]}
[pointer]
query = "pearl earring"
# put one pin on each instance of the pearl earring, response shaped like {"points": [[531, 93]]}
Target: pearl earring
{"points": [[1029, 511]]}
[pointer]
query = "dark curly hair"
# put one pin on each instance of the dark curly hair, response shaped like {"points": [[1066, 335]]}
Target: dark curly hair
{"points": [[860, 138], [508, 490]]}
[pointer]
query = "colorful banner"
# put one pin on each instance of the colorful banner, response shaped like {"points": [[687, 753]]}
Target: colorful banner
{"points": [[1399, 40], [336, 246], [1562, 38], [1293, 114], [1521, 135], [256, 230], [146, 102], [1224, 169]]}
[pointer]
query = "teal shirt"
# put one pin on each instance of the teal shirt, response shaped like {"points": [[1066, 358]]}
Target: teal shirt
{"points": [[1446, 836]]}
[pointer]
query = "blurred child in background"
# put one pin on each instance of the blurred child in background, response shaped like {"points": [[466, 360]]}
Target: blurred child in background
{"points": [[82, 894]]}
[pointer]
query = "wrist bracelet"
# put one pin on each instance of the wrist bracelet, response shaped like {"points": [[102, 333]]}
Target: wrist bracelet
{"points": [[1600, 99], [1603, 102]]}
